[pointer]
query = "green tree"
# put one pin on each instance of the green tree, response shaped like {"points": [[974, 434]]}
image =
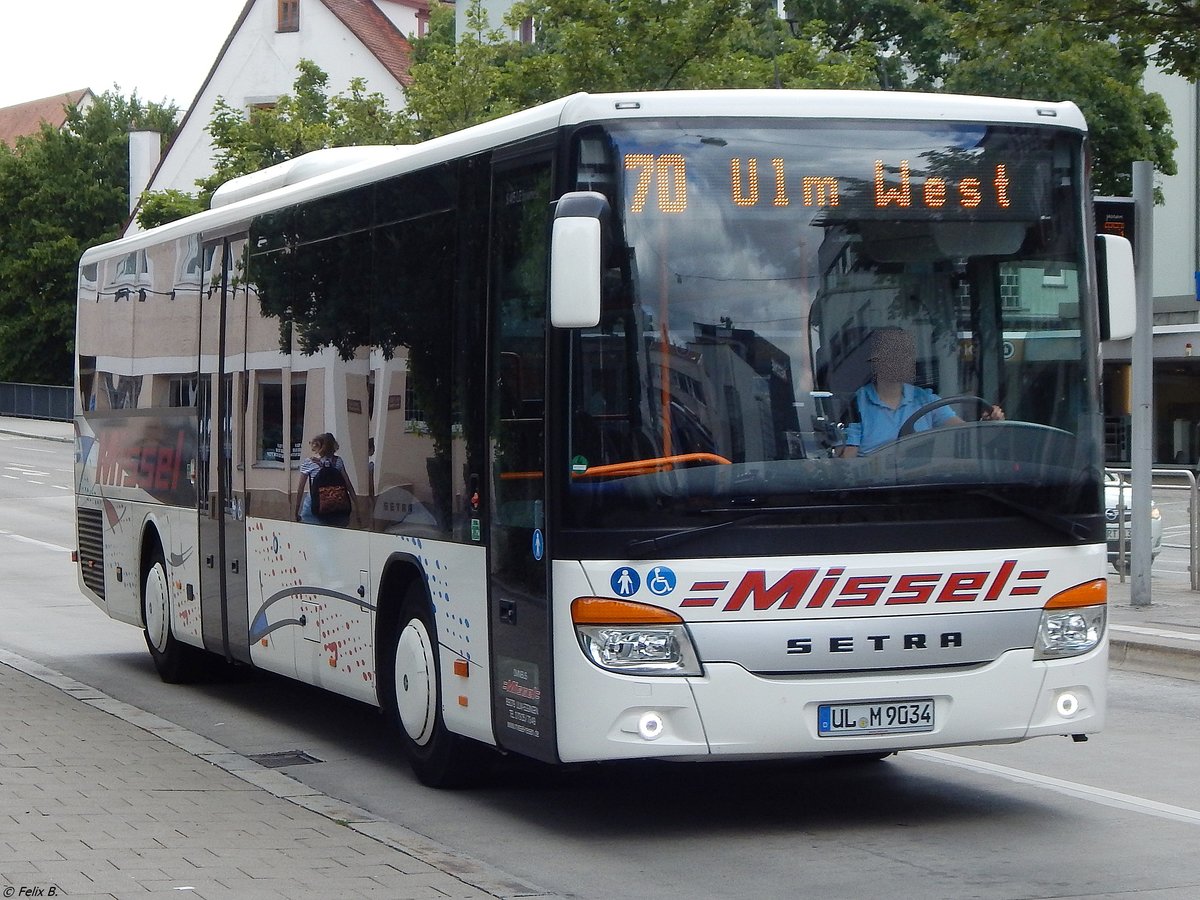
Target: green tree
{"points": [[622, 45], [1103, 78], [456, 83], [61, 191], [159, 207], [1170, 29], [1032, 49], [597, 45], [305, 120]]}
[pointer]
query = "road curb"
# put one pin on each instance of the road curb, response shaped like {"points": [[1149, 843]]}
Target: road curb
{"points": [[472, 872], [37, 437], [1132, 655]]}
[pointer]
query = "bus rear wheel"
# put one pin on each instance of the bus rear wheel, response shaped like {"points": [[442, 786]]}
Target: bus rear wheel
{"points": [[412, 680], [176, 662]]}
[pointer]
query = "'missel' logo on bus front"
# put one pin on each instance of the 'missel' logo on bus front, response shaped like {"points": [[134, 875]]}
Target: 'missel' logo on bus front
{"points": [[831, 587]]}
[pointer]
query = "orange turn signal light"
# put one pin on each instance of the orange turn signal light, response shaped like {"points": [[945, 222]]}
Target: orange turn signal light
{"points": [[609, 611], [1090, 593]]}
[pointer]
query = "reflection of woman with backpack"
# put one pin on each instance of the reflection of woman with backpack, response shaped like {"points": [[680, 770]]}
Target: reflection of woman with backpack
{"points": [[325, 495]]}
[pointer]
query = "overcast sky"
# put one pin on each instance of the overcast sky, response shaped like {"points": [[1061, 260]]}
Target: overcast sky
{"points": [[161, 48]]}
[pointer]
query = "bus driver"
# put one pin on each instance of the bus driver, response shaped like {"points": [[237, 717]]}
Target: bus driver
{"points": [[883, 405]]}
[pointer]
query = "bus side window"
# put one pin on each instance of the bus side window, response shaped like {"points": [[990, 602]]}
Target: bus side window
{"points": [[518, 264]]}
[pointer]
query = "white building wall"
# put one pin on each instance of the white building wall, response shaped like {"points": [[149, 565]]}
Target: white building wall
{"points": [[403, 14], [1175, 222], [260, 66], [496, 11]]}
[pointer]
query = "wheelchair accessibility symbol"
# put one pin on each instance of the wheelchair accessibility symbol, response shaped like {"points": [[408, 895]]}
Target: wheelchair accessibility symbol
{"points": [[660, 581]]}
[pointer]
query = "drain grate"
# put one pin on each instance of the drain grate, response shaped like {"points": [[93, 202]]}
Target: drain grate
{"points": [[282, 758]]}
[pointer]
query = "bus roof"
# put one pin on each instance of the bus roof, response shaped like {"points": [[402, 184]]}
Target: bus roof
{"points": [[332, 170]]}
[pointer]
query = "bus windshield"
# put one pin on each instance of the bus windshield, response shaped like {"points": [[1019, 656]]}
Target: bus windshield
{"points": [[836, 322]]}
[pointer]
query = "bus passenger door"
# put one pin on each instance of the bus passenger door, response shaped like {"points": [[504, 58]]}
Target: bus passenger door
{"points": [[522, 673], [221, 483]]}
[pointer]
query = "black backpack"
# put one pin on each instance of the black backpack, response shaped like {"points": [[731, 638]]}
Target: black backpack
{"points": [[327, 488]]}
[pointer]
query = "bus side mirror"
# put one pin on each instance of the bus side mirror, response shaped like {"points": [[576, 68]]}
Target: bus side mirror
{"points": [[1118, 290], [577, 259]]}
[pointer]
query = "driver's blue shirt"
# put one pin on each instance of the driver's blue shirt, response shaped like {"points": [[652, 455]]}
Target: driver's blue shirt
{"points": [[878, 424]]}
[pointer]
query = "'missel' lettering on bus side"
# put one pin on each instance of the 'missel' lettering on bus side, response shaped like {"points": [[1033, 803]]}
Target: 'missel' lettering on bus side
{"points": [[833, 589]]}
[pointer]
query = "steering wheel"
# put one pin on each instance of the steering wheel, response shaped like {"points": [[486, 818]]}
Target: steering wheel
{"points": [[910, 424]]}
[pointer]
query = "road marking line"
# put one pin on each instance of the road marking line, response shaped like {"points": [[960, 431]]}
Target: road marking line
{"points": [[34, 541], [1157, 632], [1114, 799]]}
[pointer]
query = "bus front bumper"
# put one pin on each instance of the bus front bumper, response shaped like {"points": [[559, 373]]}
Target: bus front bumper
{"points": [[730, 713]]}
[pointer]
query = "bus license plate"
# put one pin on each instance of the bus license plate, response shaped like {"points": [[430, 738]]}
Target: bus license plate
{"points": [[889, 717]]}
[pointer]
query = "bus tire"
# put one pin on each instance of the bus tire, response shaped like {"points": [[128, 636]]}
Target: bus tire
{"points": [[412, 699], [175, 662]]}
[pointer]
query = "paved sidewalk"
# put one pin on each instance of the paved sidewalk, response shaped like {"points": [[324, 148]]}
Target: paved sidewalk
{"points": [[1162, 638], [100, 799], [40, 428]]}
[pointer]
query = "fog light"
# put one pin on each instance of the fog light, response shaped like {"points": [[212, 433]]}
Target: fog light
{"points": [[1068, 704], [650, 726]]}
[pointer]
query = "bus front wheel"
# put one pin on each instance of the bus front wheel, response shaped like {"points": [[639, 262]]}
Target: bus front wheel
{"points": [[175, 662], [438, 757]]}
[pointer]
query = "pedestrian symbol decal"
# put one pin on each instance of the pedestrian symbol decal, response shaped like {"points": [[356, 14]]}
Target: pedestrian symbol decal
{"points": [[539, 544], [625, 582], [660, 581]]}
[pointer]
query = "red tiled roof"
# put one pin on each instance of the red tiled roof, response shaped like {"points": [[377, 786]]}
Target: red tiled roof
{"points": [[377, 33], [27, 118]]}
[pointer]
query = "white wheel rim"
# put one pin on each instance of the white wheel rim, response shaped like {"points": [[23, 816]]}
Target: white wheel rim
{"points": [[158, 603], [416, 689]]}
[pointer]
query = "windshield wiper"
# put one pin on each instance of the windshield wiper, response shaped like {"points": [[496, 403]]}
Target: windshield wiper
{"points": [[741, 514], [673, 539]]}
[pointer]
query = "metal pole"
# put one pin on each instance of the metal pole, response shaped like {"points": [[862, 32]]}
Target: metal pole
{"points": [[1193, 531], [1142, 359]]}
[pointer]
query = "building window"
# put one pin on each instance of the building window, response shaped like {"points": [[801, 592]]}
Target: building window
{"points": [[526, 33], [273, 445], [1010, 289], [133, 269], [183, 391], [289, 15], [122, 390], [414, 416]]}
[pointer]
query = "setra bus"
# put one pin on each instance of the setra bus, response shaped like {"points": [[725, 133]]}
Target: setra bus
{"points": [[593, 369]]}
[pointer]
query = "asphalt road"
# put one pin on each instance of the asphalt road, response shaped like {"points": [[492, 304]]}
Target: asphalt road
{"points": [[1118, 816]]}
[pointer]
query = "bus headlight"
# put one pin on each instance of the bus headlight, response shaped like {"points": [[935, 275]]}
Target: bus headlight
{"points": [[665, 650], [1073, 621], [634, 638]]}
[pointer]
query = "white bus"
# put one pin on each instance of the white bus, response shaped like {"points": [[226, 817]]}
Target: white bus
{"points": [[592, 369]]}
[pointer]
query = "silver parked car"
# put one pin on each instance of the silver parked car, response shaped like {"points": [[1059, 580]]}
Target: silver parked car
{"points": [[1118, 497]]}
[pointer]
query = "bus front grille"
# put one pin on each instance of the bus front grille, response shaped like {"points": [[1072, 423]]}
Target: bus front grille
{"points": [[91, 548]]}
